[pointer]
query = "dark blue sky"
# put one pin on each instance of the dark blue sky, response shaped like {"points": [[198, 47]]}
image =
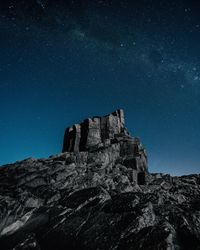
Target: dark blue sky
{"points": [[62, 61]]}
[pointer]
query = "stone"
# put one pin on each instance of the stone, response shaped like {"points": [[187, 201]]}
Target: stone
{"points": [[97, 194], [104, 132], [93, 132]]}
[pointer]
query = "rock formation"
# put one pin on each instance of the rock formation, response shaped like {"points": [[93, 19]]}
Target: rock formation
{"points": [[95, 132], [108, 133], [97, 194]]}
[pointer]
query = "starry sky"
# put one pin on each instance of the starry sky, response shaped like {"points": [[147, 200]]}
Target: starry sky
{"points": [[63, 61]]}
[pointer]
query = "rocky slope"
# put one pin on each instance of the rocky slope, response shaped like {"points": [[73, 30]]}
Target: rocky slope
{"points": [[97, 194]]}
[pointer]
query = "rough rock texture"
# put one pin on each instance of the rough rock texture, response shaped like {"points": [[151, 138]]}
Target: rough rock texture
{"points": [[94, 132], [105, 142], [101, 198]]}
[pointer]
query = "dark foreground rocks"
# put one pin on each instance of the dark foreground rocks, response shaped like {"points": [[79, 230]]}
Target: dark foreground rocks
{"points": [[101, 198]]}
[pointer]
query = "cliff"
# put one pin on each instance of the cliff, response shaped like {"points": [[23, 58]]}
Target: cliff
{"points": [[94, 132], [106, 141]]}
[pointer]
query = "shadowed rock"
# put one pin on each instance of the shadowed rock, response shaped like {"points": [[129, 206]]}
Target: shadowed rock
{"points": [[106, 133], [97, 194], [94, 131]]}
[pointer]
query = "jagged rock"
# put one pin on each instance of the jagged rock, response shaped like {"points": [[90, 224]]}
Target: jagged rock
{"points": [[97, 194], [107, 140], [93, 132]]}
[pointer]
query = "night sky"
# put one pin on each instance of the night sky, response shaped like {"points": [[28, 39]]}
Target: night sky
{"points": [[63, 61]]}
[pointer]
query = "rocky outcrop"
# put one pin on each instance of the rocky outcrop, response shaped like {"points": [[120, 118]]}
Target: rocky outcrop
{"points": [[108, 136], [100, 196], [94, 132]]}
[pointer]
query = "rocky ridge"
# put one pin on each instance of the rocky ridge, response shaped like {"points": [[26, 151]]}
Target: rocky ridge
{"points": [[97, 194]]}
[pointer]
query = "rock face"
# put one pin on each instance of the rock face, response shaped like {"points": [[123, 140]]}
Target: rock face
{"points": [[97, 194], [94, 133], [109, 136]]}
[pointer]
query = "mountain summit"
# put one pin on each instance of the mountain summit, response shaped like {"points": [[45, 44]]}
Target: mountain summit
{"points": [[107, 141], [97, 194], [94, 132]]}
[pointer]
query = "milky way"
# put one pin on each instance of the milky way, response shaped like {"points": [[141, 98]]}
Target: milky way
{"points": [[62, 61]]}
